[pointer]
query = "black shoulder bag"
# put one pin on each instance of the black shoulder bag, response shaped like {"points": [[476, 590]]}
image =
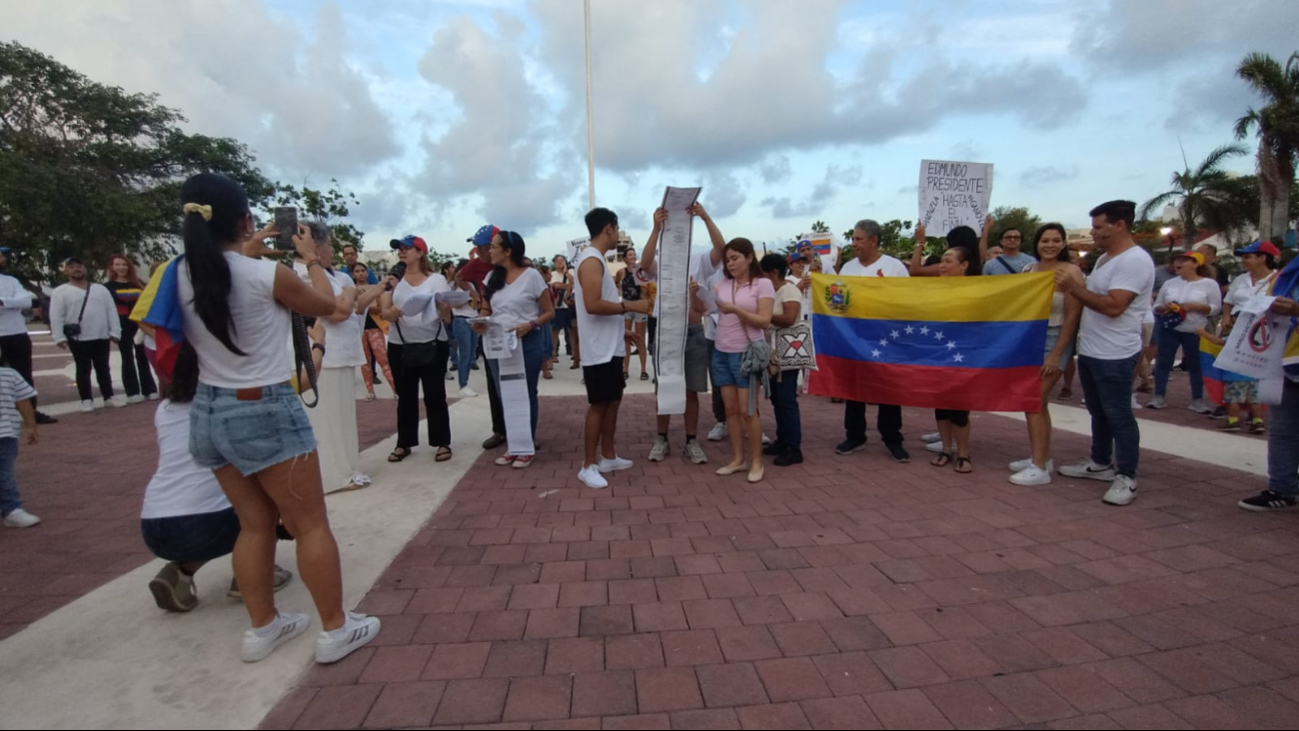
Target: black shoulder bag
{"points": [[71, 331]]}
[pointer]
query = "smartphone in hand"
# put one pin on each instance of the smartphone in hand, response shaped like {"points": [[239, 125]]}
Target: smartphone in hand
{"points": [[286, 222]]}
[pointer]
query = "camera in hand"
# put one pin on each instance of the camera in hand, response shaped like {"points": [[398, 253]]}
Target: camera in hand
{"points": [[398, 271]]}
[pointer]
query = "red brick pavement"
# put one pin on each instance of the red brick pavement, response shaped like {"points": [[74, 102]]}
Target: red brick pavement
{"points": [[86, 480], [842, 593]]}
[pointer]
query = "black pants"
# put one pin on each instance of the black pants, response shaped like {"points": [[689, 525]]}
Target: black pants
{"points": [[88, 353], [493, 396], [889, 422], [135, 366], [433, 377], [958, 418], [17, 350]]}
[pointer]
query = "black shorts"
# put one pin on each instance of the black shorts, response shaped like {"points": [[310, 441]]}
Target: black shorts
{"points": [[604, 382]]}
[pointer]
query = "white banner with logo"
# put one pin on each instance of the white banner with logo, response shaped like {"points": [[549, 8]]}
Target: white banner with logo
{"points": [[673, 299]]}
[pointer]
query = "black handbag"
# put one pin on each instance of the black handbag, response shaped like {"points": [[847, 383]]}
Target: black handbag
{"points": [[415, 356]]}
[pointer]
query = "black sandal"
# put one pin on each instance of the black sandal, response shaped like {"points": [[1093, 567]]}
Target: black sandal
{"points": [[443, 455], [967, 462], [942, 460], [644, 376], [399, 454]]}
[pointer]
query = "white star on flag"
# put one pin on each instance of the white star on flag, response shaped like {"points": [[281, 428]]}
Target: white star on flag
{"points": [[875, 353], [884, 341], [958, 358], [910, 329], [951, 344], [924, 330], [939, 336], [896, 334]]}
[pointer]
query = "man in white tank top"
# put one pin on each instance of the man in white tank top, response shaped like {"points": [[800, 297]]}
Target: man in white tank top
{"points": [[600, 320]]}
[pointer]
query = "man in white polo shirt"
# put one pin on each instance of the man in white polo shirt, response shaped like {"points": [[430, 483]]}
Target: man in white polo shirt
{"points": [[1115, 302]]}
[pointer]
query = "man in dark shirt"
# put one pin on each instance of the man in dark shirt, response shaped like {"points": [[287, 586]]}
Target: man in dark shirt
{"points": [[472, 275]]}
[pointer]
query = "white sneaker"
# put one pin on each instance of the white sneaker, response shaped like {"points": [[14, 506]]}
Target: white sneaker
{"points": [[1135, 403], [719, 432], [136, 399], [659, 451], [591, 477], [937, 447], [1122, 492], [154, 397], [1158, 402], [468, 392], [1200, 406], [614, 465], [21, 519], [766, 440], [1089, 470], [357, 632], [117, 402], [1020, 465], [932, 436], [260, 643], [1032, 475], [695, 452], [87, 407]]}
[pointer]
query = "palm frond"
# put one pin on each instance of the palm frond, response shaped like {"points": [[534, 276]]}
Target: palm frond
{"points": [[1251, 118], [1217, 157], [1157, 203]]}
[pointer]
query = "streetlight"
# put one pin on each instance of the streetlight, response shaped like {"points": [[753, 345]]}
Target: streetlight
{"points": [[590, 118]]}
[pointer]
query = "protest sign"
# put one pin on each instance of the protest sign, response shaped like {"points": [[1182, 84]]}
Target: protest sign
{"points": [[954, 194], [1257, 341], [575, 247], [673, 258]]}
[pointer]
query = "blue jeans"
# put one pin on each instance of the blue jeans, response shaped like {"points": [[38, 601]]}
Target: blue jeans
{"points": [[784, 401], [466, 348], [9, 499], [534, 355], [1107, 386], [1169, 342], [1282, 443]]}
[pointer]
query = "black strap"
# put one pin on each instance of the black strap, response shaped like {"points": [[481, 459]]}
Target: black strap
{"points": [[1002, 260], [82, 316]]}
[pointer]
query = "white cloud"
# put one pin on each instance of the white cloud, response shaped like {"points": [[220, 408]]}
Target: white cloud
{"points": [[1037, 177]]}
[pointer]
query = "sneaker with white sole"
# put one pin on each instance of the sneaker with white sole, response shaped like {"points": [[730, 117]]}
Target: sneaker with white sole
{"points": [[468, 392], [1089, 470], [932, 436], [1122, 492], [937, 447], [21, 519], [695, 452], [591, 477], [117, 402], [154, 396], [1135, 403], [357, 632], [766, 440], [281, 578], [1158, 402], [87, 407], [173, 590], [1200, 406], [719, 432], [616, 464], [505, 460], [1031, 475], [523, 461], [260, 643], [1268, 501], [136, 399], [660, 450], [1020, 465]]}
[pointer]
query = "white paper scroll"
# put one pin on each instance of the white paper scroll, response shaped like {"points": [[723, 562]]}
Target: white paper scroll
{"points": [[674, 299], [502, 345], [954, 194]]}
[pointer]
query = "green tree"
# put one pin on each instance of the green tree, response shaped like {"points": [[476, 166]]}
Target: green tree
{"points": [[1278, 136], [90, 169], [820, 228], [1018, 218], [1204, 196]]}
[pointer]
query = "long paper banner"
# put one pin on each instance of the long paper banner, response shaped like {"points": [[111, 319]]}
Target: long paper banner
{"points": [[674, 299]]}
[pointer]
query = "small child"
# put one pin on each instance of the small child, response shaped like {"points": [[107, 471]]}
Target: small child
{"points": [[1239, 393], [17, 418]]}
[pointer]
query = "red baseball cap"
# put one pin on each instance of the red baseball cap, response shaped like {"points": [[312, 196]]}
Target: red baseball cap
{"points": [[410, 241], [1261, 247]]}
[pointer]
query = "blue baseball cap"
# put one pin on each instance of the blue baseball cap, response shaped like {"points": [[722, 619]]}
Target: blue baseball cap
{"points": [[795, 257], [1258, 247], [484, 235]]}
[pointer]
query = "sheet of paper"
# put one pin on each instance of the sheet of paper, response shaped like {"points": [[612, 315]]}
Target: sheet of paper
{"points": [[709, 298], [954, 194], [499, 343], [416, 304], [453, 298], [515, 405], [674, 299]]}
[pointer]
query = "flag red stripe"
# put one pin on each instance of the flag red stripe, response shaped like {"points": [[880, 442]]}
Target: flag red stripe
{"points": [[930, 387]]}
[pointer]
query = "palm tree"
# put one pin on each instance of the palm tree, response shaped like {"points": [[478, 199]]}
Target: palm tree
{"points": [[1206, 194], [820, 228], [1278, 135]]}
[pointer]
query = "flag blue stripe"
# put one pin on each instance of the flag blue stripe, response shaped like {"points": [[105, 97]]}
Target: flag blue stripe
{"points": [[963, 344]]}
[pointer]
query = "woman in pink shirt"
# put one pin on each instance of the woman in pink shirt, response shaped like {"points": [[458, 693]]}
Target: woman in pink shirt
{"points": [[745, 299]]}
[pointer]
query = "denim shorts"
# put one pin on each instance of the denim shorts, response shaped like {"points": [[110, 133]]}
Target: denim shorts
{"points": [[727, 370], [249, 435], [192, 538], [1052, 338]]}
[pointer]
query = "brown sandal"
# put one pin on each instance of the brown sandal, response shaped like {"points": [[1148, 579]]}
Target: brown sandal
{"points": [[966, 463], [399, 454], [942, 460], [443, 455]]}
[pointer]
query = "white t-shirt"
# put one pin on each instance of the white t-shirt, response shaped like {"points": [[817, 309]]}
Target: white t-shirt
{"points": [[602, 335], [517, 302], [423, 328], [885, 266], [1117, 338], [179, 486], [1201, 292], [14, 298], [1243, 288], [788, 292], [467, 309], [260, 328], [13, 388], [343, 347]]}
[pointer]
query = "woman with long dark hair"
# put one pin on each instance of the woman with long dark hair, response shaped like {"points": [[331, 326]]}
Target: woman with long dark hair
{"points": [[247, 424], [1062, 331], [125, 285], [417, 350], [954, 425], [373, 330], [516, 296], [745, 299]]}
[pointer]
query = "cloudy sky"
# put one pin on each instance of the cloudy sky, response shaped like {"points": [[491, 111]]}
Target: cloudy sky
{"points": [[444, 114]]}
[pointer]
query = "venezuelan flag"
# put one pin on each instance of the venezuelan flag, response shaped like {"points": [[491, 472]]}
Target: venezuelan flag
{"points": [[159, 306], [966, 343], [1215, 378]]}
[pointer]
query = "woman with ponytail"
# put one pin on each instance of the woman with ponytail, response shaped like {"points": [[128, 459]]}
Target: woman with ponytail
{"points": [[247, 424]]}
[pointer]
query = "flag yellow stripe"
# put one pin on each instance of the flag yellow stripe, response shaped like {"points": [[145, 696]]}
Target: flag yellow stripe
{"points": [[1012, 298]]}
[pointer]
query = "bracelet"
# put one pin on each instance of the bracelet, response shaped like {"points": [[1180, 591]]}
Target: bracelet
{"points": [[314, 262], [318, 346], [624, 307], [535, 326]]}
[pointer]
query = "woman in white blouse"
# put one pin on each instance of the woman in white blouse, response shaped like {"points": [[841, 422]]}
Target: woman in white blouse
{"points": [[1193, 298]]}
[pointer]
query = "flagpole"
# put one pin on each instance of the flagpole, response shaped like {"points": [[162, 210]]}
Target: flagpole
{"points": [[590, 116]]}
